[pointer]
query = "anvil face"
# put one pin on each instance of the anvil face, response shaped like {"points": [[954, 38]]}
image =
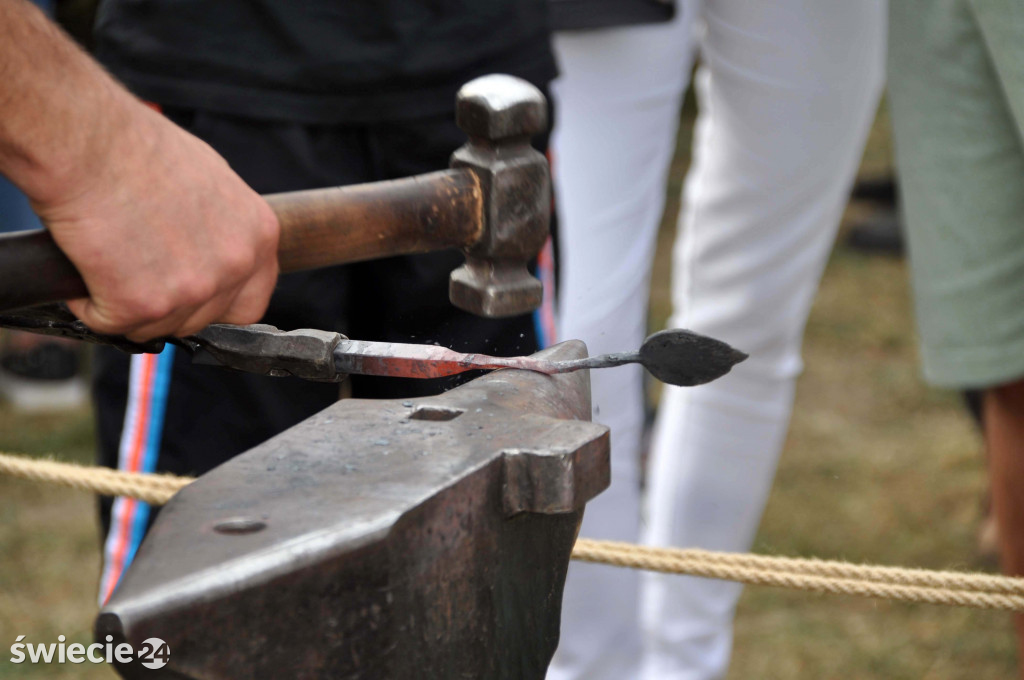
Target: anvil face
{"points": [[421, 538]]}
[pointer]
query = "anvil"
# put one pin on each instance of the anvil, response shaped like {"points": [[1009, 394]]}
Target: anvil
{"points": [[421, 538]]}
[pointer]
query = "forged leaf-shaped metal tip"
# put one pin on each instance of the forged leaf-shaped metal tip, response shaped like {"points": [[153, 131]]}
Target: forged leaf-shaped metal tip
{"points": [[681, 357]]}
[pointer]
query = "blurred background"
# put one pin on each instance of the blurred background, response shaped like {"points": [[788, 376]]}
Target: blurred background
{"points": [[877, 468]]}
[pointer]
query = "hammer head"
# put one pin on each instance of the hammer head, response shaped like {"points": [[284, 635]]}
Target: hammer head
{"points": [[500, 113]]}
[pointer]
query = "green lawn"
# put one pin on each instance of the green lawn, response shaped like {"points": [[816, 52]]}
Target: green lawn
{"points": [[49, 550]]}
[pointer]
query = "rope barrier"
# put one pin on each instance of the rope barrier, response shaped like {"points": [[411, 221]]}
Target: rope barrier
{"points": [[772, 572], [923, 578], [154, 489], [962, 589]]}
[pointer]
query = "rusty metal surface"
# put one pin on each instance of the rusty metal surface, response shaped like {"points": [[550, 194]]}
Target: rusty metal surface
{"points": [[500, 114], [260, 348], [424, 538], [675, 356]]}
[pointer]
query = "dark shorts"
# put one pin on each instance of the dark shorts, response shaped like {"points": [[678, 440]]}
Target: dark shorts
{"points": [[164, 414]]}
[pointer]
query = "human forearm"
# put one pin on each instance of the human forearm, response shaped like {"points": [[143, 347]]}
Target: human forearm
{"points": [[165, 235], [59, 111]]}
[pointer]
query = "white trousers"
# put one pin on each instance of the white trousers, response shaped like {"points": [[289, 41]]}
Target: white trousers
{"points": [[787, 91]]}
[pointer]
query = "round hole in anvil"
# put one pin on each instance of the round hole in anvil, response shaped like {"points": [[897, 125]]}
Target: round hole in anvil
{"points": [[239, 526]]}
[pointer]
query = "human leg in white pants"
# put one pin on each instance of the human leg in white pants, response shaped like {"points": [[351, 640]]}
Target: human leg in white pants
{"points": [[618, 109], [814, 73], [788, 90]]}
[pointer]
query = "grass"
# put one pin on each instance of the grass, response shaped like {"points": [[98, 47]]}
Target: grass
{"points": [[49, 547], [877, 468]]}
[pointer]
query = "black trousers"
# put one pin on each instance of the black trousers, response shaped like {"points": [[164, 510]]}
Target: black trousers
{"points": [[197, 417]]}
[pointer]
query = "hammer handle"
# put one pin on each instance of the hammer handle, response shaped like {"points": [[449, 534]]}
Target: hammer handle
{"points": [[417, 214], [319, 228], [33, 271]]}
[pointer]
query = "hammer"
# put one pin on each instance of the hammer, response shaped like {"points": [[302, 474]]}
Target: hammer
{"points": [[493, 204]]}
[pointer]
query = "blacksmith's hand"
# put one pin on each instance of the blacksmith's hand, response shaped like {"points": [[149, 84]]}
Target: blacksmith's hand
{"points": [[167, 238]]}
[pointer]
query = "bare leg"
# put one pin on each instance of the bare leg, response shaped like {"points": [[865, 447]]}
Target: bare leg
{"points": [[1004, 435]]}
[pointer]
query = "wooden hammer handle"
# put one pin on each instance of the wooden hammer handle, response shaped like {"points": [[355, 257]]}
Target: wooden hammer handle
{"points": [[417, 214], [319, 228]]}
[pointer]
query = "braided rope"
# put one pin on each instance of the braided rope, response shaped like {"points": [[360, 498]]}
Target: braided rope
{"points": [[155, 489], [771, 573], [924, 578], [981, 591]]}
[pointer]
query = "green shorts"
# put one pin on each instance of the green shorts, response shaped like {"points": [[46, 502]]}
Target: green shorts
{"points": [[956, 79]]}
